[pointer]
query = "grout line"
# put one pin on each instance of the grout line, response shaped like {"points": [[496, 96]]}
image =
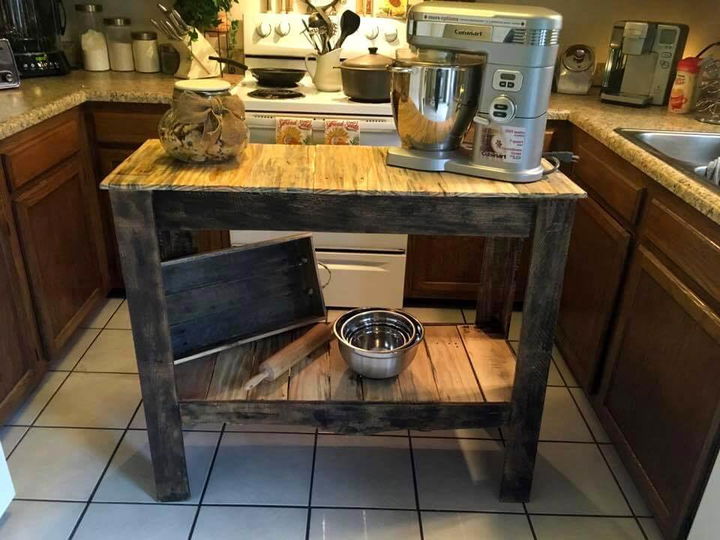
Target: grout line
{"points": [[415, 487], [100, 331], [530, 523], [310, 490], [42, 410], [102, 474], [207, 481]]}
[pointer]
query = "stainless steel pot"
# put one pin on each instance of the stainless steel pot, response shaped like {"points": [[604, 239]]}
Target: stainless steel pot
{"points": [[366, 78], [434, 103]]}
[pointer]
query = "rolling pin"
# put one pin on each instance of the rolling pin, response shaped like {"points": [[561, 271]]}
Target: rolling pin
{"points": [[290, 355]]}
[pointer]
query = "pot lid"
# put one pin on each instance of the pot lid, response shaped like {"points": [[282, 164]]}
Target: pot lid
{"points": [[203, 85], [373, 60]]}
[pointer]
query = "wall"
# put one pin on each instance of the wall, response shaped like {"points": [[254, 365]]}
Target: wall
{"points": [[585, 21]]}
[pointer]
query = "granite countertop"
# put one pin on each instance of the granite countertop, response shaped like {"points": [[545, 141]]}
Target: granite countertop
{"points": [[39, 99]]}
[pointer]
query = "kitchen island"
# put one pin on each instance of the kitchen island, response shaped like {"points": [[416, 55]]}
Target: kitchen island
{"points": [[349, 189]]}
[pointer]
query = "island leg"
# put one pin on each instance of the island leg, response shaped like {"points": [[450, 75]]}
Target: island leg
{"points": [[553, 223], [496, 292], [140, 256]]}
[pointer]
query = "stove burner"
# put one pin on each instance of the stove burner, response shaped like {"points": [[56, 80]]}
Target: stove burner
{"points": [[275, 93]]}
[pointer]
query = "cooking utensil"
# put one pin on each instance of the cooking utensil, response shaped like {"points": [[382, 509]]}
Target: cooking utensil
{"points": [[316, 23], [178, 28], [278, 77], [290, 355], [349, 23], [366, 78], [434, 102], [371, 348], [229, 61]]}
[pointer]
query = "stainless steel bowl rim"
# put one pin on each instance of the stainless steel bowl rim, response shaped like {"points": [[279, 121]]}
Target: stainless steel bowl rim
{"points": [[419, 333], [410, 323], [455, 64]]}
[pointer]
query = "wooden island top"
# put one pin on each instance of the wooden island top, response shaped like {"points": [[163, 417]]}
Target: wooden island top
{"points": [[318, 169]]}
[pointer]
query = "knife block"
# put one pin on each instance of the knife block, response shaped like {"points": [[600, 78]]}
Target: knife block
{"points": [[194, 58]]}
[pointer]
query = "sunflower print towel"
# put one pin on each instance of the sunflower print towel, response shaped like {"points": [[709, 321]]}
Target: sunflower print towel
{"points": [[342, 132], [293, 131]]}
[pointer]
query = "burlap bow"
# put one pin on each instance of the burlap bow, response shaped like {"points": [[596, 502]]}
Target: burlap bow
{"points": [[191, 108]]}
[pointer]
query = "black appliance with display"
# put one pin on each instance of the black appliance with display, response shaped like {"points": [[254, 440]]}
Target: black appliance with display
{"points": [[9, 77], [33, 28]]}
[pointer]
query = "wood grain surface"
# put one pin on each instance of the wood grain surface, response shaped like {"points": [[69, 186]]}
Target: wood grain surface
{"points": [[316, 169]]}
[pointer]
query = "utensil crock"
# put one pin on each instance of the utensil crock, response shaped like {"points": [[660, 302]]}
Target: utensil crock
{"points": [[325, 73]]}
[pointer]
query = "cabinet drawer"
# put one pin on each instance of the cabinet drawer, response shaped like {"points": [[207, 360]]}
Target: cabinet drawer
{"points": [[36, 151], [691, 250], [619, 185], [131, 125]]}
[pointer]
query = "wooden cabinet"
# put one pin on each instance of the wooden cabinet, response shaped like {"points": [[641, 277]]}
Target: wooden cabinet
{"points": [[21, 359], [660, 396]]}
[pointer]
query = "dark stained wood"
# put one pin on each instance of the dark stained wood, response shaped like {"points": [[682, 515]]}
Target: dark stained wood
{"points": [[343, 213], [496, 292], [551, 236], [351, 416], [126, 124], [137, 239], [595, 267], [612, 181], [58, 227], [41, 147], [660, 399], [192, 379]]}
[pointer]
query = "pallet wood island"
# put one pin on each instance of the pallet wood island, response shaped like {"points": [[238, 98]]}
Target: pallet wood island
{"points": [[340, 189]]}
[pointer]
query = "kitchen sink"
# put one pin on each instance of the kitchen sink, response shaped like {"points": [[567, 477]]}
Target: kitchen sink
{"points": [[688, 151]]}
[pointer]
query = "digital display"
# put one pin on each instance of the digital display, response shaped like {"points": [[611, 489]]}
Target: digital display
{"points": [[507, 76], [667, 36]]}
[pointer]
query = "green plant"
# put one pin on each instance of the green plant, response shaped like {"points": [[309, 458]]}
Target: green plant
{"points": [[202, 14]]}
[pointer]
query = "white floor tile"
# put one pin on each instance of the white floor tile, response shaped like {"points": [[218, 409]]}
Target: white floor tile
{"points": [[138, 422], [113, 351], [573, 478], [256, 523], [585, 528], [269, 428], [30, 409], [591, 418], [130, 475], [479, 433], [651, 529], [74, 350], [515, 325], [121, 319], [65, 464], [100, 317], [470, 526], [561, 418], [554, 378], [357, 471], [136, 521], [431, 315], [563, 368], [333, 314], [460, 474], [104, 400], [39, 520], [10, 436], [262, 469], [626, 484], [469, 315], [337, 524]]}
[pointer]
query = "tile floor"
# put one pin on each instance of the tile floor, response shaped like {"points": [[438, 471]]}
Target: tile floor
{"points": [[78, 454]]}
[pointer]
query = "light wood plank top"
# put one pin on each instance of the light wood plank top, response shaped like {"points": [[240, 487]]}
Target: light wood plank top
{"points": [[336, 170]]}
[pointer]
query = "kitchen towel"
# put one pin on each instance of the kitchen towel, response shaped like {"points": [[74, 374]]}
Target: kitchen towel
{"points": [[293, 130], [342, 132]]}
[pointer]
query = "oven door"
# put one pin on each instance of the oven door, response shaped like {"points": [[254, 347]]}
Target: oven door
{"points": [[374, 130]]}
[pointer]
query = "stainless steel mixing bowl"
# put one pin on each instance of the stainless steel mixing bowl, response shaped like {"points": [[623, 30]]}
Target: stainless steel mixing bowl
{"points": [[369, 345], [434, 103]]}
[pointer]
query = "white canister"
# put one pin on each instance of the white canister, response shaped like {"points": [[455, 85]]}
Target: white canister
{"points": [[92, 40], [117, 31], [145, 52]]}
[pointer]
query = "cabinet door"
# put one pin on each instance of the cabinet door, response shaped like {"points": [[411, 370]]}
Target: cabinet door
{"points": [[660, 395], [595, 266], [443, 266], [21, 363], [59, 240]]}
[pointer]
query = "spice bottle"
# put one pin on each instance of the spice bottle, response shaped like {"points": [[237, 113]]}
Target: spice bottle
{"points": [[145, 52], [682, 95]]}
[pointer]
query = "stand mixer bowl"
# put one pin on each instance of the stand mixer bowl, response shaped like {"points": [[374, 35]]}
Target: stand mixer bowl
{"points": [[434, 102]]}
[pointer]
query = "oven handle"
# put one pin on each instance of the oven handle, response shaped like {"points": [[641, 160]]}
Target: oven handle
{"points": [[367, 124]]}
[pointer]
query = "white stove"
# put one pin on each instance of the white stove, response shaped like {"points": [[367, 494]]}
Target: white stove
{"points": [[360, 269]]}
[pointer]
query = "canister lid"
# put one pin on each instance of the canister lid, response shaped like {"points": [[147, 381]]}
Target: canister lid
{"points": [[144, 36], [116, 21], [203, 85], [373, 60], [89, 8]]}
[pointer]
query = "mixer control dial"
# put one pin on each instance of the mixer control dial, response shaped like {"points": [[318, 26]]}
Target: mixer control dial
{"points": [[390, 34], [502, 109], [372, 32], [282, 29], [263, 30]]}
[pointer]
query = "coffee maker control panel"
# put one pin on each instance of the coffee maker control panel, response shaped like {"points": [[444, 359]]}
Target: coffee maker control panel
{"points": [[507, 80]]}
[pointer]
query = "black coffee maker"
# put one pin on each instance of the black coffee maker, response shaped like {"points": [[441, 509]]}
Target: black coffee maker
{"points": [[33, 28]]}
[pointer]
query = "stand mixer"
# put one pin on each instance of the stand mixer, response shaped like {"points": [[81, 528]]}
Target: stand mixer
{"points": [[487, 64]]}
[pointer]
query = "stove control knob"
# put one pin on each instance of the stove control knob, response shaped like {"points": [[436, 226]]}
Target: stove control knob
{"points": [[391, 34], [263, 30], [372, 32], [282, 29]]}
